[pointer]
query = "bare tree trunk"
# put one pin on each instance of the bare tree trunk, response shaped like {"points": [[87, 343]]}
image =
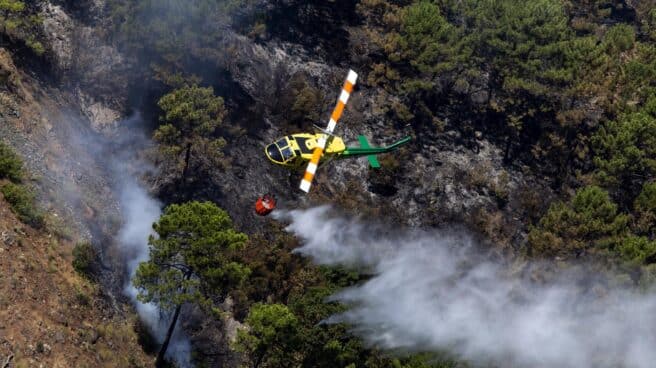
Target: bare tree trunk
{"points": [[186, 165], [8, 361], [162, 351], [506, 154], [159, 363]]}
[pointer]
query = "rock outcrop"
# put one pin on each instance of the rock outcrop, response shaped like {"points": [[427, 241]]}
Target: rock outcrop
{"points": [[86, 64]]}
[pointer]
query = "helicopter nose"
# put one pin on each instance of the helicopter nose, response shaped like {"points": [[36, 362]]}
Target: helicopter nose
{"points": [[274, 153]]}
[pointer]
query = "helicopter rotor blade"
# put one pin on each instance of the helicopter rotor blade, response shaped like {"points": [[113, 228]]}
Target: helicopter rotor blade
{"points": [[311, 169]]}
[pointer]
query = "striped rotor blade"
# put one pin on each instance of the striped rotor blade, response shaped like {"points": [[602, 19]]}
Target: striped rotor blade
{"points": [[351, 79]]}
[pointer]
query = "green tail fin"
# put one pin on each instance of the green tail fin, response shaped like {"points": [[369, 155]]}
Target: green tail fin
{"points": [[373, 161]]}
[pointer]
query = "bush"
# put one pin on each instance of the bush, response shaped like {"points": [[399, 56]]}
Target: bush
{"points": [[645, 209], [625, 151], [83, 258], [11, 166], [19, 22], [619, 38], [22, 203], [589, 222], [637, 250]]}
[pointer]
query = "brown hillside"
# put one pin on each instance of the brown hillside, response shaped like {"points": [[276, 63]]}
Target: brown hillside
{"points": [[49, 315]]}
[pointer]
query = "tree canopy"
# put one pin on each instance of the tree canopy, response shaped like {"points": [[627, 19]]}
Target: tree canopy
{"points": [[589, 222], [192, 260], [271, 338], [191, 257], [19, 22], [187, 136]]}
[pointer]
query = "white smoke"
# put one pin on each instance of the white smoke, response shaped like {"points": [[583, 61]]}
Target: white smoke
{"points": [[139, 211], [436, 291]]}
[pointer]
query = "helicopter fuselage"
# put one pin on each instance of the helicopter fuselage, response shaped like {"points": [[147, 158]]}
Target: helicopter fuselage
{"points": [[293, 150]]}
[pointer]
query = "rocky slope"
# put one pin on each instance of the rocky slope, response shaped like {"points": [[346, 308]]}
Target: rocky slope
{"points": [[49, 315]]}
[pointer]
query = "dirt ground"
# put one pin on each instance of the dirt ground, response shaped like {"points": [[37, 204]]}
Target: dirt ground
{"points": [[49, 315]]}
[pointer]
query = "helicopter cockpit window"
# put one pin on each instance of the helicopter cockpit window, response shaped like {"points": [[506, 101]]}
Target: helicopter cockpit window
{"points": [[274, 153], [286, 153], [281, 143]]}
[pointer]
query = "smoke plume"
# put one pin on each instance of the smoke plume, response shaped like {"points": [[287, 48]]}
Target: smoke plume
{"points": [[139, 211], [437, 291], [119, 156]]}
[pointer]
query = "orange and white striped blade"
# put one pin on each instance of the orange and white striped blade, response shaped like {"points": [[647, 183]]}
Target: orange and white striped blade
{"points": [[306, 183]]}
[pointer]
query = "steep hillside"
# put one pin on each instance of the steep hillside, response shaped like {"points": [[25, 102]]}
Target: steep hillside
{"points": [[50, 316], [533, 126]]}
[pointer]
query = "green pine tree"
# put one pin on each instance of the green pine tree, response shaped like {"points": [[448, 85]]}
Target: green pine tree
{"points": [[625, 151], [191, 259], [272, 335], [645, 210], [192, 115], [589, 222], [11, 166]]}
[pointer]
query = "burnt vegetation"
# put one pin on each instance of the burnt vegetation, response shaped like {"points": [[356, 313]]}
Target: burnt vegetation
{"points": [[566, 89]]}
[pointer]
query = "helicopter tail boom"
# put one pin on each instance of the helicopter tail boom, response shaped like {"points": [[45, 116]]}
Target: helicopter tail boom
{"points": [[366, 150]]}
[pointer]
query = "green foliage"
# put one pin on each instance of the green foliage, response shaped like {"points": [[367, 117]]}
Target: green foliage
{"points": [[191, 111], [192, 115], [271, 337], [11, 166], [619, 38], [84, 256], [625, 150], [192, 258], [589, 222], [644, 207], [527, 46], [524, 55], [19, 22], [12, 6], [636, 81], [22, 202], [424, 39], [280, 278], [637, 250]]}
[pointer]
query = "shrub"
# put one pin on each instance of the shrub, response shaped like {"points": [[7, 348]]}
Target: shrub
{"points": [[83, 258], [11, 166], [637, 250], [22, 203], [625, 151], [590, 220], [645, 209], [619, 38]]}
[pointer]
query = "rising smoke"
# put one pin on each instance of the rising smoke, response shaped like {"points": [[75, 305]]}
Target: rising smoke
{"points": [[436, 291], [139, 211], [119, 155]]}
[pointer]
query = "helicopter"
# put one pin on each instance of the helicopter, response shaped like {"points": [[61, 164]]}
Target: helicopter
{"points": [[294, 150]]}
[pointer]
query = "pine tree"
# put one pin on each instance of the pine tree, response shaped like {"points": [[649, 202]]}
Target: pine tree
{"points": [[192, 258], [589, 222], [625, 152], [272, 335], [18, 22], [192, 115]]}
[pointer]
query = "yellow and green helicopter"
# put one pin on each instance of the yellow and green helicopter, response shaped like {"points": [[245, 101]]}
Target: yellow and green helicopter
{"points": [[293, 150], [296, 149]]}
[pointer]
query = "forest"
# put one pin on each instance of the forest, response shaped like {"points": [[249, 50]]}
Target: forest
{"points": [[565, 89]]}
